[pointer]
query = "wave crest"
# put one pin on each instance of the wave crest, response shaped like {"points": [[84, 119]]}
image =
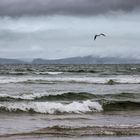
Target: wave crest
{"points": [[69, 96], [88, 80], [52, 107]]}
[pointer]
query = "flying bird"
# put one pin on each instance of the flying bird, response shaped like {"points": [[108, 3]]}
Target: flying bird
{"points": [[99, 35]]}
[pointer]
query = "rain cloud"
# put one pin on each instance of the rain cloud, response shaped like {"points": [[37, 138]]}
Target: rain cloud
{"points": [[65, 28], [65, 7]]}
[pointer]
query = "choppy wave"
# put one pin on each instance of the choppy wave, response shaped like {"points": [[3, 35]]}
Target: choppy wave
{"points": [[20, 73], [87, 106], [121, 106], [70, 102], [48, 73], [14, 73], [67, 79], [56, 96], [78, 107], [69, 96], [51, 107]]}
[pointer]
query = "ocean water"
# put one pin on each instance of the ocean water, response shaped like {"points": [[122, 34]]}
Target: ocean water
{"points": [[69, 101]]}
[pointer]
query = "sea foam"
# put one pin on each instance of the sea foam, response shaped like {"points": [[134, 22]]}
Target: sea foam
{"points": [[52, 107], [134, 79]]}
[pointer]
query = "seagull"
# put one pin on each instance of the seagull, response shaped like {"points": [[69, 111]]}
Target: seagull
{"points": [[99, 35]]}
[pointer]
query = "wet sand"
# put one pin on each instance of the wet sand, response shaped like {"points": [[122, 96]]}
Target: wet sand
{"points": [[70, 138], [58, 131]]}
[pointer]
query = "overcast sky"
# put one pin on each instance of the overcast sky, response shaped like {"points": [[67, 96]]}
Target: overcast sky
{"points": [[65, 28]]}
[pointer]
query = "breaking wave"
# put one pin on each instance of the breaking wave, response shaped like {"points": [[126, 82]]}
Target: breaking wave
{"points": [[70, 102], [48, 73], [68, 79], [30, 73], [76, 107], [51, 107]]}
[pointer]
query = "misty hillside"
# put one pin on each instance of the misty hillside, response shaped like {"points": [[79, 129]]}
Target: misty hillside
{"points": [[87, 60], [10, 61], [74, 60]]}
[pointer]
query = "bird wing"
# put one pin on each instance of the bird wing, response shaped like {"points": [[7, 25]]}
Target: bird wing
{"points": [[95, 37], [102, 34]]}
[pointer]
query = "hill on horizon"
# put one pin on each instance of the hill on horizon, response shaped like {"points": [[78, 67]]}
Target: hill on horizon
{"points": [[74, 60]]}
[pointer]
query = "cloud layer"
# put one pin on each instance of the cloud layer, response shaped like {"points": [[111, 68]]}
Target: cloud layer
{"points": [[65, 7], [65, 28], [64, 36]]}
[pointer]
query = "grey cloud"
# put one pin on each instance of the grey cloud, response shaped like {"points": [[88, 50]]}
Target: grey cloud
{"points": [[65, 7], [122, 40]]}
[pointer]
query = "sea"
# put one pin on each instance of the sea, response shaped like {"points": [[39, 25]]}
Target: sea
{"points": [[70, 102]]}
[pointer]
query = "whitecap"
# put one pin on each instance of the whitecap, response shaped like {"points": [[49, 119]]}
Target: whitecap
{"points": [[52, 107]]}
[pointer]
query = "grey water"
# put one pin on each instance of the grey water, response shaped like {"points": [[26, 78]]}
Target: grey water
{"points": [[34, 97]]}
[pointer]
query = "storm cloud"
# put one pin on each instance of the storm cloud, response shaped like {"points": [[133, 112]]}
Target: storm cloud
{"points": [[65, 7], [64, 36], [65, 28]]}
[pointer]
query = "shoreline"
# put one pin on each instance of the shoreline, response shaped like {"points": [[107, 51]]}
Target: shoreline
{"points": [[57, 131]]}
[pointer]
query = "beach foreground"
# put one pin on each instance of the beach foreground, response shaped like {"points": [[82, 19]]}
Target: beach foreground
{"points": [[71, 138], [85, 131]]}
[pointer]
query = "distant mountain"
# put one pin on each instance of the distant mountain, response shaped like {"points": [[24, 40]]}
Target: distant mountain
{"points": [[74, 60], [88, 60], [11, 61]]}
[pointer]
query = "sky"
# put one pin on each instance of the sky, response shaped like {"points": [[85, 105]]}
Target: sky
{"points": [[54, 29]]}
